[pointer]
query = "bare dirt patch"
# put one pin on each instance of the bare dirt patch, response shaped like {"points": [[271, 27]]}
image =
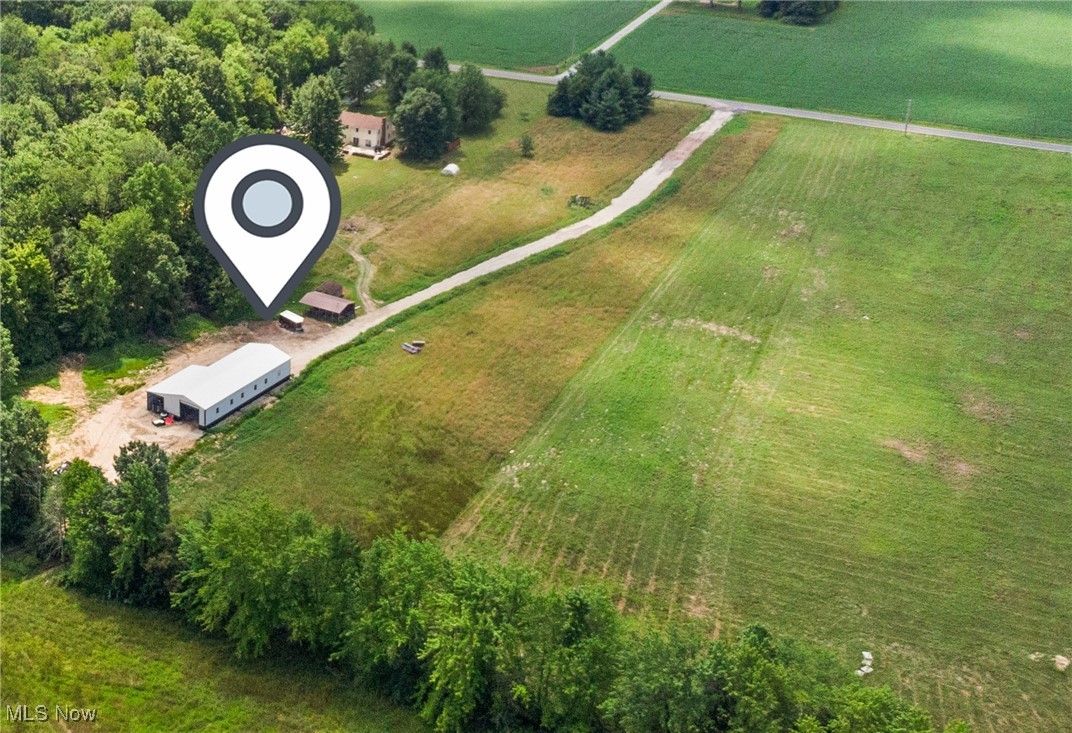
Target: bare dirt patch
{"points": [[911, 453], [1023, 334], [716, 328], [984, 408], [72, 390], [957, 468]]}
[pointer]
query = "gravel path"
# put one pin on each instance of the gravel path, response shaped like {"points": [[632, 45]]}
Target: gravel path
{"points": [[98, 436]]}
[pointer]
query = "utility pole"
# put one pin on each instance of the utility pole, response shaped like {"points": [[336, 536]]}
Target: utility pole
{"points": [[908, 116]]}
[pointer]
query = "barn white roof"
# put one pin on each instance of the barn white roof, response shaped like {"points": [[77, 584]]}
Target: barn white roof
{"points": [[204, 386]]}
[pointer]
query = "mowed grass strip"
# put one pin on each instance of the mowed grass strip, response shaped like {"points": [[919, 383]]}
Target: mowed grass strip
{"points": [[416, 226], [543, 36], [374, 439], [992, 66], [844, 412], [143, 670]]}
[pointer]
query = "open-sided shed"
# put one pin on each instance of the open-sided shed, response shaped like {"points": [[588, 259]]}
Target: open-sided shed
{"points": [[322, 305]]}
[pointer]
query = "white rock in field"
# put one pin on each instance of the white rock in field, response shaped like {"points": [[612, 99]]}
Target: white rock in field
{"points": [[450, 169], [1061, 663], [860, 673], [868, 657]]}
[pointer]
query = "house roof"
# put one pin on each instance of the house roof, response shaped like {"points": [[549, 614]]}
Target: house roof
{"points": [[204, 386], [361, 120], [325, 302]]}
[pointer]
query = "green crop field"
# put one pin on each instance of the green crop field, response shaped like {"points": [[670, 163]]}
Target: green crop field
{"points": [[536, 35], [144, 671], [992, 66], [404, 442], [844, 412]]}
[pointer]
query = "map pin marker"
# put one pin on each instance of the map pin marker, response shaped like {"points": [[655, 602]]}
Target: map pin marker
{"points": [[267, 207]]}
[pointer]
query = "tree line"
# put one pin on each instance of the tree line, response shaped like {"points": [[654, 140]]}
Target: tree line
{"points": [[472, 647]]}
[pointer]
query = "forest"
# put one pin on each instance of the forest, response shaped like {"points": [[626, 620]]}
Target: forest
{"points": [[110, 111]]}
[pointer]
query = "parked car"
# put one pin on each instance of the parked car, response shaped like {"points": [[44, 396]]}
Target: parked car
{"points": [[159, 422]]}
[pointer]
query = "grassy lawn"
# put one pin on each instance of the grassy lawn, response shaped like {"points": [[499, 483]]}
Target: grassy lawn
{"points": [[845, 412], [417, 226], [144, 671], [993, 66], [402, 441], [535, 35]]}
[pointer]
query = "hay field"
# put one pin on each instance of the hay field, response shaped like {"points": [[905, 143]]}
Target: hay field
{"points": [[416, 226], [843, 412], [402, 441]]}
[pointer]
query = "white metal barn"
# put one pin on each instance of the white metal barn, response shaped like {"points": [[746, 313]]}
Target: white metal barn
{"points": [[211, 393]]}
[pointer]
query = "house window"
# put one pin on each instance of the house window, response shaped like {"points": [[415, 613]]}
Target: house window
{"points": [[217, 411], [368, 143], [232, 400], [266, 380], [243, 395], [254, 387]]}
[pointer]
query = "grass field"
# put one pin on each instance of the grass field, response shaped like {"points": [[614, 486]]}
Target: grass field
{"points": [[417, 226], [143, 671], [536, 35], [399, 441], [993, 66], [845, 412]]}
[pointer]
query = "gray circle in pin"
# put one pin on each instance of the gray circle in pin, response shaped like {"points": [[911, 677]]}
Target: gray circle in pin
{"points": [[267, 203]]}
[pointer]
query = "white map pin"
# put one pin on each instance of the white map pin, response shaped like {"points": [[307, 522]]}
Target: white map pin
{"points": [[267, 207]]}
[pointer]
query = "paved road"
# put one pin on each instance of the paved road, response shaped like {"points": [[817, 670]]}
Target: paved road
{"points": [[632, 26], [97, 437], [736, 106]]}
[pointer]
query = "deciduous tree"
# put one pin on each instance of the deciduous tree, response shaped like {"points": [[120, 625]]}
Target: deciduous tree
{"points": [[315, 114], [23, 452], [422, 123]]}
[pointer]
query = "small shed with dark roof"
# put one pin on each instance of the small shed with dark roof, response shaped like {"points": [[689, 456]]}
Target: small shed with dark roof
{"points": [[331, 288], [322, 305]]}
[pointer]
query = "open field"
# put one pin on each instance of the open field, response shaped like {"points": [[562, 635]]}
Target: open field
{"points": [[401, 441], [988, 66], [142, 670], [534, 35], [844, 412], [415, 226]]}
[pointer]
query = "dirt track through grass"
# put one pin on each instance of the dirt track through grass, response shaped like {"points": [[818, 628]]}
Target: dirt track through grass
{"points": [[844, 412]]}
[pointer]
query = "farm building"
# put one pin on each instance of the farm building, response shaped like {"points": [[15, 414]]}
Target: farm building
{"points": [[322, 305], [366, 131], [208, 394]]}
